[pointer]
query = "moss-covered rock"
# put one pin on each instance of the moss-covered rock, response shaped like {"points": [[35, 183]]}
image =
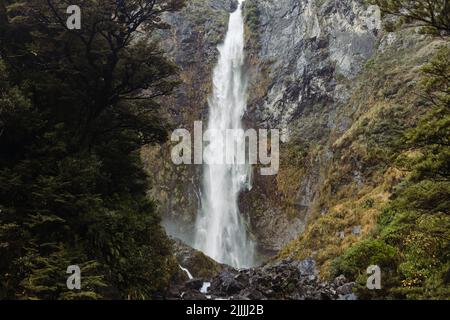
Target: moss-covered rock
{"points": [[198, 264]]}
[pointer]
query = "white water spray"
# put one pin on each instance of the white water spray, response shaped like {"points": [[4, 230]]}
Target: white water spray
{"points": [[221, 231], [187, 272]]}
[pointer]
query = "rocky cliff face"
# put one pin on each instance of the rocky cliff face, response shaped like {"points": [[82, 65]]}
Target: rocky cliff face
{"points": [[308, 44], [336, 83], [332, 79], [191, 43], [304, 48]]}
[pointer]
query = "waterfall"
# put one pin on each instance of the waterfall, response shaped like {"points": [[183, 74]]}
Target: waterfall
{"points": [[220, 228], [187, 272]]}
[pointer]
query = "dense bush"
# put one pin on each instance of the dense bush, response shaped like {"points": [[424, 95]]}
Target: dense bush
{"points": [[75, 108], [434, 16], [252, 15], [415, 229]]}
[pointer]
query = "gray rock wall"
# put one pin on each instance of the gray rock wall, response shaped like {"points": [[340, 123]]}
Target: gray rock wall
{"points": [[308, 44], [191, 44], [308, 48], [299, 52]]}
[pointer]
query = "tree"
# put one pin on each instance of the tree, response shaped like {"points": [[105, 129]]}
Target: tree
{"points": [[430, 13], [75, 108], [111, 59]]}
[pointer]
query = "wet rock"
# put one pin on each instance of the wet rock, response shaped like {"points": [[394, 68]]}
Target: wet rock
{"points": [[307, 267], [252, 294], [195, 284], [242, 278], [226, 283], [345, 289], [340, 281], [198, 264], [192, 295], [356, 230], [285, 280], [350, 296]]}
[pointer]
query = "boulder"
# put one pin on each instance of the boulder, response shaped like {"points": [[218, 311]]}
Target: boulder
{"points": [[307, 267]]}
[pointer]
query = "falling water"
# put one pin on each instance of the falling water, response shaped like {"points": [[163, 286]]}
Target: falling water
{"points": [[187, 272], [221, 231]]}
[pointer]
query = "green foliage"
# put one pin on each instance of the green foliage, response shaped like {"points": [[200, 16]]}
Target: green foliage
{"points": [[366, 253], [370, 63], [433, 15], [252, 22], [75, 108], [414, 231], [252, 15], [47, 276], [202, 14], [355, 261], [368, 203]]}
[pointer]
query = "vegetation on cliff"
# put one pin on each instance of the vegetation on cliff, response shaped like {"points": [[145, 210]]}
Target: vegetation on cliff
{"points": [[77, 107], [395, 214], [433, 15], [413, 231], [411, 240]]}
